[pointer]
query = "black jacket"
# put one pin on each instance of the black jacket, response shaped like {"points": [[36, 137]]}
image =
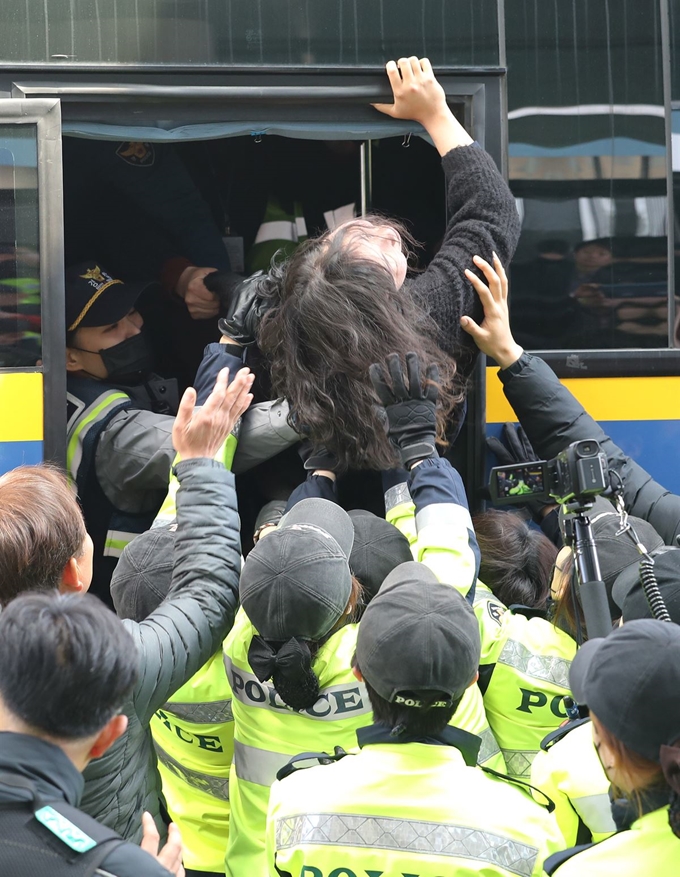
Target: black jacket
{"points": [[553, 418], [482, 219], [56, 779]]}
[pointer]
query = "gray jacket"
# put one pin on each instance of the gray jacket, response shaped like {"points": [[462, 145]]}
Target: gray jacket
{"points": [[174, 642], [553, 418], [135, 452]]}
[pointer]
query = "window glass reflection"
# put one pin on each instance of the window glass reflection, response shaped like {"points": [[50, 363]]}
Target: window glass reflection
{"points": [[250, 32], [19, 258], [587, 164]]}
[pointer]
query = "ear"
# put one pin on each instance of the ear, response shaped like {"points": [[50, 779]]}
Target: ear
{"points": [[70, 578], [357, 673], [108, 735], [73, 363], [474, 681]]}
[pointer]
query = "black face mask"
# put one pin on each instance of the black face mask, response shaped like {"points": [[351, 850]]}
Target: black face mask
{"points": [[127, 361]]}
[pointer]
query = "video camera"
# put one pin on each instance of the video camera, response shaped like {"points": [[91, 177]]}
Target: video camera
{"points": [[573, 478]]}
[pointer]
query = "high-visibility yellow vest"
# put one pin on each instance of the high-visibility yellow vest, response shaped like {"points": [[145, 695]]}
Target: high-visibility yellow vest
{"points": [[194, 739], [279, 230], [571, 775], [267, 733], [648, 847], [168, 510], [527, 675], [453, 564], [404, 809]]}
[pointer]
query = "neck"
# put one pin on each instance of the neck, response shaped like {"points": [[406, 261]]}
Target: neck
{"points": [[77, 751]]}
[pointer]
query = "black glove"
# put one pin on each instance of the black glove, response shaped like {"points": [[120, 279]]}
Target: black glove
{"points": [[243, 304], [516, 447], [410, 410], [317, 458]]}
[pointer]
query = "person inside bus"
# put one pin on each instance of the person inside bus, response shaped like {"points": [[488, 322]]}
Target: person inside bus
{"points": [[121, 415], [343, 301], [156, 225], [549, 413]]}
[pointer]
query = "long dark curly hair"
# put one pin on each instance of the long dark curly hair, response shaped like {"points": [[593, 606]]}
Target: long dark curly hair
{"points": [[335, 314]]}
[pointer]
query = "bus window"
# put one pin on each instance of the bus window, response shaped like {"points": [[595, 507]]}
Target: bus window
{"points": [[587, 164], [20, 340]]}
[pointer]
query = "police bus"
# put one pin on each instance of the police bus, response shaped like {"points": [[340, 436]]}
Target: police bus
{"points": [[267, 105]]}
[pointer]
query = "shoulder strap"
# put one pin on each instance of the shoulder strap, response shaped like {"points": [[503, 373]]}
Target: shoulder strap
{"points": [[549, 805], [552, 863], [80, 834], [295, 763], [561, 732]]}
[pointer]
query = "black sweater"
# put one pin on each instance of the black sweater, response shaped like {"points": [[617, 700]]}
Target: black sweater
{"points": [[482, 219]]}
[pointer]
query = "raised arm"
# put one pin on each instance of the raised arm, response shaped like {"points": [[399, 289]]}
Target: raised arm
{"points": [[482, 217], [550, 415]]}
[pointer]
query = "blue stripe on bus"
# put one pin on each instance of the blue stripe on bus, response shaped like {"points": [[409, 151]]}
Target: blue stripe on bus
{"points": [[19, 454], [653, 444]]}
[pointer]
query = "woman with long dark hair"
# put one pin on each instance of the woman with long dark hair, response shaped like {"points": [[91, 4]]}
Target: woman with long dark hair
{"points": [[343, 300]]}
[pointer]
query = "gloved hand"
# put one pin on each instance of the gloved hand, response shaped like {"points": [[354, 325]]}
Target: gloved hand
{"points": [[516, 448], [317, 458], [410, 410], [242, 302]]}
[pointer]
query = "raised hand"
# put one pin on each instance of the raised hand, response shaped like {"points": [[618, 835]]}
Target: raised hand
{"points": [[200, 432], [170, 857], [494, 336]]}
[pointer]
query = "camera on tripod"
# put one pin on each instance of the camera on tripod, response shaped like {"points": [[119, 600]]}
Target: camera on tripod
{"points": [[574, 477]]}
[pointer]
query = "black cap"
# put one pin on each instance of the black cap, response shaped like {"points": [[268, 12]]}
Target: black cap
{"points": [[296, 581], [617, 551], [630, 596], [630, 681], [418, 642], [378, 548], [95, 298], [142, 577]]}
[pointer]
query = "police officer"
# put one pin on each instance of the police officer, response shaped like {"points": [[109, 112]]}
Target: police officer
{"points": [[629, 681], [412, 801], [524, 662], [120, 415], [288, 661]]}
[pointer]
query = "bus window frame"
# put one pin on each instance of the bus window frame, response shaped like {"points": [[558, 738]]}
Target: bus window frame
{"points": [[45, 115]]}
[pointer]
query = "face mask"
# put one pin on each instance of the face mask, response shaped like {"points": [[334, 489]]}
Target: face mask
{"points": [[125, 361]]}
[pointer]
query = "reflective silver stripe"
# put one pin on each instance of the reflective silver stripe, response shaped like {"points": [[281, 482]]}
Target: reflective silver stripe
{"points": [[279, 230], [208, 713], [397, 495], [410, 835], [489, 746], [218, 787], [549, 668], [116, 540], [444, 514], [80, 425], [518, 761], [596, 812], [335, 702], [257, 765]]}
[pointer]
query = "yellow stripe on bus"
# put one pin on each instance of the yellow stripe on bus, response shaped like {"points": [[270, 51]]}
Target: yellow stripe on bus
{"points": [[21, 407], [651, 398]]}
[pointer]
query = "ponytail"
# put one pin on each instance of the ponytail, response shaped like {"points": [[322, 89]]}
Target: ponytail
{"points": [[289, 666], [669, 756]]}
